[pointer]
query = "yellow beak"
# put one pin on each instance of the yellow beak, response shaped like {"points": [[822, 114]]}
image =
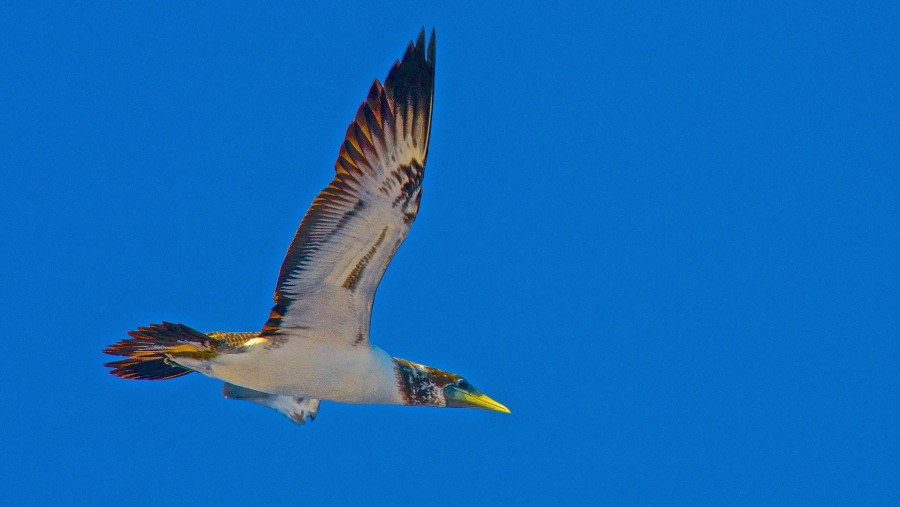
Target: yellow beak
{"points": [[483, 401], [471, 398]]}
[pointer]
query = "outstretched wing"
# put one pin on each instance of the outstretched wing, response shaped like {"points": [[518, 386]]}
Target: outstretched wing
{"points": [[328, 279]]}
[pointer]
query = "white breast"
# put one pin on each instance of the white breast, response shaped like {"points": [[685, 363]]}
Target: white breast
{"points": [[313, 369]]}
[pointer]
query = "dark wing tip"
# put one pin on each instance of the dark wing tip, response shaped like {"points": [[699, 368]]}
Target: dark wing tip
{"points": [[415, 71], [431, 48], [420, 43]]}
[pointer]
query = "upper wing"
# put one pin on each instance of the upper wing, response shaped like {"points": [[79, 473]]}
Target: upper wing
{"points": [[328, 279]]}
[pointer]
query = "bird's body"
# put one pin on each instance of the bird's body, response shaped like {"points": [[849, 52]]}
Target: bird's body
{"points": [[307, 367], [315, 343]]}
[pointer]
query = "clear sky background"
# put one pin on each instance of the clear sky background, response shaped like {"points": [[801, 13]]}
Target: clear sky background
{"points": [[665, 237]]}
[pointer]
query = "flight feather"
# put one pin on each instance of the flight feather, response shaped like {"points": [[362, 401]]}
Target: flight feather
{"points": [[345, 242]]}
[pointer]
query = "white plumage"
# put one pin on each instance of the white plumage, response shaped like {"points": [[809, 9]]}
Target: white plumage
{"points": [[315, 344]]}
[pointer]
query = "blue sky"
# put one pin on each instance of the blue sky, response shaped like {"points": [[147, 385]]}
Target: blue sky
{"points": [[665, 237]]}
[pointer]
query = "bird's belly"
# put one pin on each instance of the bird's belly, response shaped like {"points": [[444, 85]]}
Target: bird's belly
{"points": [[314, 369]]}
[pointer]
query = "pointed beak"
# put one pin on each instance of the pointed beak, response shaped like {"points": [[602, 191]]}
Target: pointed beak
{"points": [[471, 398]]}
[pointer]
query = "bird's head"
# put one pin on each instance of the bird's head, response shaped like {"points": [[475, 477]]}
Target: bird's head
{"points": [[424, 385]]}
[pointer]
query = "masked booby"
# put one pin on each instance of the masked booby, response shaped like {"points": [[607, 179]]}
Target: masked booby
{"points": [[315, 344]]}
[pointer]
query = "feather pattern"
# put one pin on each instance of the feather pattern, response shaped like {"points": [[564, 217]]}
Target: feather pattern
{"points": [[345, 242]]}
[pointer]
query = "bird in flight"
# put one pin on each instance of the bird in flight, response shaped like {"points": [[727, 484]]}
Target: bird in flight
{"points": [[315, 344]]}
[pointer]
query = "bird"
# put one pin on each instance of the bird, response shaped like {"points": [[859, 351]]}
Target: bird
{"points": [[315, 344]]}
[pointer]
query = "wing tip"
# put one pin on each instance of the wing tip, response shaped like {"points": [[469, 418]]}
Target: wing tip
{"points": [[418, 51], [427, 51]]}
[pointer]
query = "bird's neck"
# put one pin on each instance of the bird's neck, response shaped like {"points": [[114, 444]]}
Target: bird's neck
{"points": [[419, 384]]}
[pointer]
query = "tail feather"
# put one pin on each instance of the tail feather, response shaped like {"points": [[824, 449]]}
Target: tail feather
{"points": [[150, 348]]}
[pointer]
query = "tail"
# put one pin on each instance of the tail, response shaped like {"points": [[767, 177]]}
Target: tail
{"points": [[150, 350]]}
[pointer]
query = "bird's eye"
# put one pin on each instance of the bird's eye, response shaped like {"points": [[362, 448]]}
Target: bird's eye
{"points": [[462, 383]]}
